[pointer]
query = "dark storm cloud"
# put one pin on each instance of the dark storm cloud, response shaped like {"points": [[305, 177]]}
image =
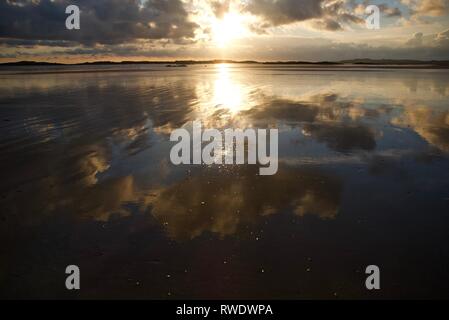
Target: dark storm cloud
{"points": [[102, 21], [285, 11], [324, 14]]}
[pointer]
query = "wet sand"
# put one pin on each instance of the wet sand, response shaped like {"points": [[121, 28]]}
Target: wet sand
{"points": [[87, 180]]}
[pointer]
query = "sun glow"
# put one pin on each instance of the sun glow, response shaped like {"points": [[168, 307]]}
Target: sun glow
{"points": [[229, 28]]}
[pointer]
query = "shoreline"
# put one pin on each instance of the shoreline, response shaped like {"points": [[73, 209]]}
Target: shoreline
{"points": [[443, 64], [78, 68]]}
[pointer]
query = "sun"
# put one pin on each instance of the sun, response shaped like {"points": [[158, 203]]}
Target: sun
{"points": [[228, 28]]}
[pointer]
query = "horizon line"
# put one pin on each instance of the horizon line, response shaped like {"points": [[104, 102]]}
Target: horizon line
{"points": [[218, 61]]}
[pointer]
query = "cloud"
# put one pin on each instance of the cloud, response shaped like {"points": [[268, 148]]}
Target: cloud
{"points": [[390, 11], [416, 40], [323, 14], [386, 9], [163, 29], [433, 47], [437, 40], [102, 21], [285, 11], [326, 24], [220, 8], [431, 8], [32, 43]]}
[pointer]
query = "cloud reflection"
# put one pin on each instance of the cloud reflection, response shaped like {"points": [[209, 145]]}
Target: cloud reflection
{"points": [[104, 153], [224, 203], [431, 124]]}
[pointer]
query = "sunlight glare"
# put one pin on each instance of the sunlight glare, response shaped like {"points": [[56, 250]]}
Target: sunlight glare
{"points": [[229, 28]]}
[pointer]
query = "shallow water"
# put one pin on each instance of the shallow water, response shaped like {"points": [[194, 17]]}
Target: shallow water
{"points": [[87, 180]]}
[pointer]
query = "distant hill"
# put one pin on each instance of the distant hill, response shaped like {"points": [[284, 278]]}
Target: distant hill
{"points": [[31, 63], [177, 62], [367, 62], [395, 62]]}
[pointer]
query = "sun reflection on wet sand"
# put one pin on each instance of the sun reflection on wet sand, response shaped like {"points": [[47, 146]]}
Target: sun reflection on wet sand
{"points": [[222, 98], [226, 92]]}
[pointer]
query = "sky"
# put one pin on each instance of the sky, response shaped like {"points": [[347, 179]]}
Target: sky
{"points": [[262, 30]]}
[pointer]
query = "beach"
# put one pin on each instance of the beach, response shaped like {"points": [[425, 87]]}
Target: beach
{"points": [[363, 179]]}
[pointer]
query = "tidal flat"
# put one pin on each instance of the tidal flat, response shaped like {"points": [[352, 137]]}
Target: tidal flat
{"points": [[87, 180]]}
